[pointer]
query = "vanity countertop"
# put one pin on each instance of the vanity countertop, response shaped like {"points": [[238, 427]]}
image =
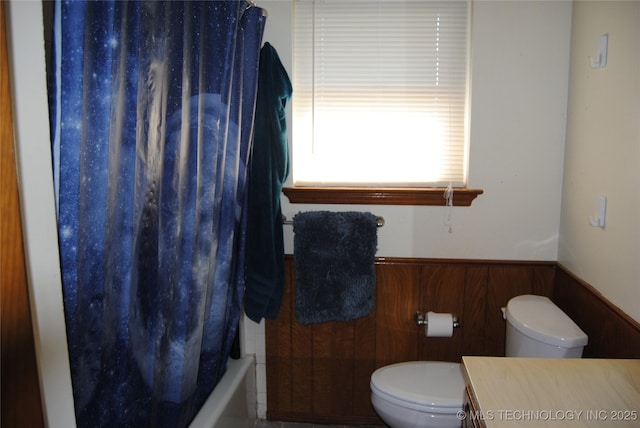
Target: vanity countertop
{"points": [[545, 392]]}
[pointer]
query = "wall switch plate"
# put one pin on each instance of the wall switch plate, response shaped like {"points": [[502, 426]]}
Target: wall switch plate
{"points": [[600, 60], [601, 213]]}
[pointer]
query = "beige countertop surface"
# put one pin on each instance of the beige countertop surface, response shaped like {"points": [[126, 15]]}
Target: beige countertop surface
{"points": [[542, 392]]}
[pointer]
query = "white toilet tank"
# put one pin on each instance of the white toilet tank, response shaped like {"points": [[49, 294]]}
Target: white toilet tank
{"points": [[536, 327]]}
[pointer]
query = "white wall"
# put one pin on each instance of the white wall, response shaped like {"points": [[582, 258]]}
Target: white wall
{"points": [[603, 153], [519, 92]]}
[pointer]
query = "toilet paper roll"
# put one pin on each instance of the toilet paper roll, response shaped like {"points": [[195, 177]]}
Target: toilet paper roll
{"points": [[439, 325]]}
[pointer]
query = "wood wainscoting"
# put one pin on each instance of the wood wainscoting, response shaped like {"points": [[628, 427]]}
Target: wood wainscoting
{"points": [[320, 373], [612, 333]]}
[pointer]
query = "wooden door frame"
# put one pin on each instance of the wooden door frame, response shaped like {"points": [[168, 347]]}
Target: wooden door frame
{"points": [[21, 404], [27, 70]]}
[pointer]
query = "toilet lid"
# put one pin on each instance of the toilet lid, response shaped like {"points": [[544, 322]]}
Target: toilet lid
{"points": [[431, 384], [539, 318]]}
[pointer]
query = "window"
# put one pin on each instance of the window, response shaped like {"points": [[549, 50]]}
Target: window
{"points": [[380, 93]]}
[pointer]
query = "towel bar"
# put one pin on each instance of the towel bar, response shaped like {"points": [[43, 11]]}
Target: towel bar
{"points": [[285, 221]]}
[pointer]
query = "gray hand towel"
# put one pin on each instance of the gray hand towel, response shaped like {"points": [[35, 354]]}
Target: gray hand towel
{"points": [[334, 255]]}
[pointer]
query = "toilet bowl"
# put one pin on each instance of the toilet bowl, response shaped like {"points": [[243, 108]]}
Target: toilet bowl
{"points": [[429, 394], [418, 394]]}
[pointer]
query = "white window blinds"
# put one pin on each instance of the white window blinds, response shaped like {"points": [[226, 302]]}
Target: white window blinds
{"points": [[380, 92]]}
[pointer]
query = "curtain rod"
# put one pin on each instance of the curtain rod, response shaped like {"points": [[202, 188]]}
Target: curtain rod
{"points": [[251, 3]]}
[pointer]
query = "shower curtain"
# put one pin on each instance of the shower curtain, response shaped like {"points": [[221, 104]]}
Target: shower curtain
{"points": [[152, 107]]}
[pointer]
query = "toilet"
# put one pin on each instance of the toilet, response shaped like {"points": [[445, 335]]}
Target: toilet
{"points": [[430, 394]]}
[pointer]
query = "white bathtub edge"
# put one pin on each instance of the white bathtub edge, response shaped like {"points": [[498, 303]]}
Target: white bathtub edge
{"points": [[229, 406]]}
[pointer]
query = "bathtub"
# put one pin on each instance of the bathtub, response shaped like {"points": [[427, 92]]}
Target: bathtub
{"points": [[231, 404]]}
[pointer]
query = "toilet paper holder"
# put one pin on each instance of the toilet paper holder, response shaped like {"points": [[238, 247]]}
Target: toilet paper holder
{"points": [[421, 319]]}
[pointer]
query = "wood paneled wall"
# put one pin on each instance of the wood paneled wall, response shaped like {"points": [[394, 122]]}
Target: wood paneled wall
{"points": [[612, 333], [320, 373]]}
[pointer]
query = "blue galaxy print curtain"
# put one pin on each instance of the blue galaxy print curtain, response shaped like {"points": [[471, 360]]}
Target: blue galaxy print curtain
{"points": [[152, 107]]}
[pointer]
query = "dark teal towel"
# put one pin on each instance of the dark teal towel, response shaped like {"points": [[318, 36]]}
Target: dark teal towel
{"points": [[334, 255], [269, 168]]}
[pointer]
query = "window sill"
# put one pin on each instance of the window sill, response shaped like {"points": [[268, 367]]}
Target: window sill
{"points": [[378, 196]]}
